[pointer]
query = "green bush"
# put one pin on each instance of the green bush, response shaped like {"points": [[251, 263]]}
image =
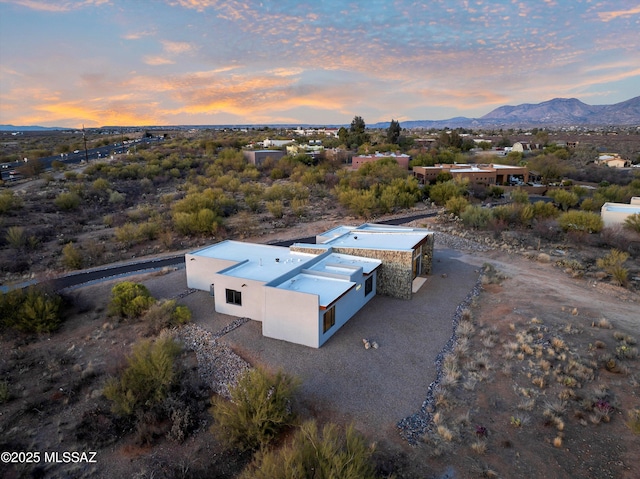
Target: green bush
{"points": [[542, 209], [326, 454], [563, 198], [203, 221], [67, 201], [456, 205], [9, 202], [72, 257], [440, 193], [633, 222], [519, 196], [146, 380], [165, 314], [5, 393], [585, 221], [129, 300], [30, 311], [276, 208], [613, 263], [260, 407], [475, 217], [16, 237]]}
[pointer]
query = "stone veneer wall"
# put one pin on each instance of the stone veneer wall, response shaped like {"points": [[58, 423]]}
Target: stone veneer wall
{"points": [[395, 275]]}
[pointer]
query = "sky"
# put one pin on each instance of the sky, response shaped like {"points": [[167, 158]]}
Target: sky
{"points": [[70, 63]]}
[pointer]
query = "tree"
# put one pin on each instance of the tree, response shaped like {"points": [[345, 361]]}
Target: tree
{"points": [[393, 132], [549, 167], [357, 133]]}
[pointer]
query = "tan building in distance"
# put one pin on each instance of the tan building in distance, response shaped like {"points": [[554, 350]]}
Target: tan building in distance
{"points": [[492, 174]]}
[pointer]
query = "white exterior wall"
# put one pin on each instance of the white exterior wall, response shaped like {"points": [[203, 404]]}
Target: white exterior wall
{"points": [[346, 307], [291, 316], [616, 213], [201, 270], [252, 297]]}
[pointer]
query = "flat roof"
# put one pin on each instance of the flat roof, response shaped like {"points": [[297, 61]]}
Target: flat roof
{"points": [[256, 261], [621, 208], [327, 289], [339, 263], [384, 240]]}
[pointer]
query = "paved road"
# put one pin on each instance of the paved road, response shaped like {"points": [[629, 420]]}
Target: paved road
{"points": [[83, 277]]}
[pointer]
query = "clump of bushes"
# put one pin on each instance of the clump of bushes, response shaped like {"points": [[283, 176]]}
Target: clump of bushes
{"points": [[67, 201], [582, 221], [129, 300], [323, 454], [146, 380], [165, 314], [30, 311], [260, 407]]}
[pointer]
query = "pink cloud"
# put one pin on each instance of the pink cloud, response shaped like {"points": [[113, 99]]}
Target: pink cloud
{"points": [[608, 16]]}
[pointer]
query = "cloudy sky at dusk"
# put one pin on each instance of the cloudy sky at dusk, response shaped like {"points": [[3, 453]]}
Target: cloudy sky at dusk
{"points": [[212, 62]]}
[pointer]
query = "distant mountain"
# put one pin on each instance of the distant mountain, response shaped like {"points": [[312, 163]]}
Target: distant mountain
{"points": [[552, 113], [30, 128]]}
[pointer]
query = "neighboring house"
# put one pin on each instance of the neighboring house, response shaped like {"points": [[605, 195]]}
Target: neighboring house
{"points": [[305, 293], [276, 143], [258, 157], [401, 158], [614, 214], [613, 160], [492, 174]]}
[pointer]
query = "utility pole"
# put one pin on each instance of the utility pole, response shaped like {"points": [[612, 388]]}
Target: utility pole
{"points": [[84, 138]]}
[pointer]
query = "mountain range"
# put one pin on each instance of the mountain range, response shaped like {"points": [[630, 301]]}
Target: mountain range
{"points": [[553, 113]]}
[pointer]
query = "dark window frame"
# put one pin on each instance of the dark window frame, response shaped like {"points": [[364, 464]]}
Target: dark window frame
{"points": [[233, 296], [368, 286], [329, 319]]}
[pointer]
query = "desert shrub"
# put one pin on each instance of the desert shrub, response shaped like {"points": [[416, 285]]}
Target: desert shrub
{"points": [[146, 380], [633, 422], [440, 193], [165, 314], [612, 263], [72, 257], [67, 201], [30, 311], [542, 209], [203, 221], [116, 198], [298, 206], [475, 216], [456, 205], [16, 237], [101, 184], [563, 198], [276, 208], [5, 393], [9, 202], [260, 407], [327, 454], [585, 221], [633, 222], [519, 196], [129, 300]]}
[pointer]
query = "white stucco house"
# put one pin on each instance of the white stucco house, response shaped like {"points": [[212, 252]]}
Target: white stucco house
{"points": [[304, 294], [616, 213]]}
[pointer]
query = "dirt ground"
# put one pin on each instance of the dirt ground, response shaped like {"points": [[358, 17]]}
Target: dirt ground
{"points": [[493, 420]]}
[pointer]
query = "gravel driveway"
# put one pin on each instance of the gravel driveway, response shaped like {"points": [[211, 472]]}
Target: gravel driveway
{"points": [[343, 381]]}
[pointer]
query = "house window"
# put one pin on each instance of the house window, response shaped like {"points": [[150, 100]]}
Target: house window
{"points": [[234, 297], [368, 286], [329, 319]]}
